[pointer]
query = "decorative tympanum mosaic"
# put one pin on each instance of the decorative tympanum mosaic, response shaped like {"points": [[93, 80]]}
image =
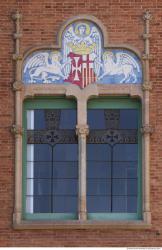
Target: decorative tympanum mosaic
{"points": [[82, 60]]}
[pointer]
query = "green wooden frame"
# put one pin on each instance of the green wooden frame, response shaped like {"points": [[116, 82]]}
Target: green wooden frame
{"points": [[98, 103], [42, 103], [121, 103]]}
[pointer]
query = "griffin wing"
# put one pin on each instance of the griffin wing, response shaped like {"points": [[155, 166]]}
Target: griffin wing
{"points": [[126, 59], [69, 37], [37, 60], [96, 38]]}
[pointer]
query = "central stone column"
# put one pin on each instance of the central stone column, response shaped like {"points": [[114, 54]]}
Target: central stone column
{"points": [[82, 132]]}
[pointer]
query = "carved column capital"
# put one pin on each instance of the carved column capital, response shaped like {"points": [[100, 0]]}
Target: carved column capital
{"points": [[146, 36], [17, 57], [17, 35], [147, 86], [147, 15], [16, 16], [82, 130], [17, 130], [147, 57], [17, 86], [147, 129]]}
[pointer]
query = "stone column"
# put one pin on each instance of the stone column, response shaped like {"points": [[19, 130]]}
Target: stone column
{"points": [[17, 127], [146, 128], [82, 132]]}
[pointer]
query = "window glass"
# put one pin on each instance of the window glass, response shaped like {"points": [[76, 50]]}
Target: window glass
{"points": [[112, 161], [52, 162]]}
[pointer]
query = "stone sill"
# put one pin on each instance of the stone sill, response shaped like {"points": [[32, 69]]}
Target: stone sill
{"points": [[69, 224]]}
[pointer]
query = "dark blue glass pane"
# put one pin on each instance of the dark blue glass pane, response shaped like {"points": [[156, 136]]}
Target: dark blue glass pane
{"points": [[96, 119], [132, 186], [124, 204], [98, 187], [119, 187], [42, 169], [98, 169], [125, 152], [98, 204], [124, 170], [42, 187], [119, 204], [42, 204], [65, 187], [39, 119], [65, 169], [98, 152], [128, 119], [68, 119], [42, 152], [65, 152], [124, 187], [132, 204], [65, 204]]}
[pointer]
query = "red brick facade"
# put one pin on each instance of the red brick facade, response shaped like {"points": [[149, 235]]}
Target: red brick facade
{"points": [[40, 23]]}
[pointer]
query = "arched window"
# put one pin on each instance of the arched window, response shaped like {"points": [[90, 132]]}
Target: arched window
{"points": [[81, 161]]}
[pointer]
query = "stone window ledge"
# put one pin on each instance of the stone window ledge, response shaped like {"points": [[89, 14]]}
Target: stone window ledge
{"points": [[68, 224]]}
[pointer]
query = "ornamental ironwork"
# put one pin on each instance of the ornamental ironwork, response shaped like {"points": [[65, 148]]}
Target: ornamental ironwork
{"points": [[52, 134], [112, 134]]}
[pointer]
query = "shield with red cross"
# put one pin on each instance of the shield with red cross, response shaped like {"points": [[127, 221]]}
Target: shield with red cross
{"points": [[82, 72]]}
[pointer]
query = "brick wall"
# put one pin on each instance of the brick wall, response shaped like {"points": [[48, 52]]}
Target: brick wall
{"points": [[40, 24]]}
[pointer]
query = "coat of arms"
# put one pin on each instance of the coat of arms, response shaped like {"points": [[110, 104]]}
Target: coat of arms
{"points": [[82, 44]]}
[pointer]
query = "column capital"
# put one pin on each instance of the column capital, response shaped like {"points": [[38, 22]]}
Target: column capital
{"points": [[147, 86], [147, 57], [147, 16], [147, 129], [82, 130], [16, 129], [17, 35], [16, 16], [17, 86], [17, 57]]}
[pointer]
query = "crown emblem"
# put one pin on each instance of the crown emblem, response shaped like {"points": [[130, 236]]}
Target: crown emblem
{"points": [[82, 48]]}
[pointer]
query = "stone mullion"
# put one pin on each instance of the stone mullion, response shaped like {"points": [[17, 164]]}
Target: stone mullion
{"points": [[82, 132]]}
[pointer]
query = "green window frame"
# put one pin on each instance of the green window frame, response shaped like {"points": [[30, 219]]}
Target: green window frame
{"points": [[41, 103], [121, 103], [98, 103]]}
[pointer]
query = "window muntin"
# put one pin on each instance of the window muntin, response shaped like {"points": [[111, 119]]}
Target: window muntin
{"points": [[117, 186]]}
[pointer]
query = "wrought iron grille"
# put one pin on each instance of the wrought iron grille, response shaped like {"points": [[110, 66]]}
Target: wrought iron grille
{"points": [[113, 134], [52, 135]]}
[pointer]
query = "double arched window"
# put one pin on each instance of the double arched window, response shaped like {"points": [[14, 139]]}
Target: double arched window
{"points": [[79, 157]]}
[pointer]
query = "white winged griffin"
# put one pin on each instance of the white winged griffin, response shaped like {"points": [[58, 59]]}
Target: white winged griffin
{"points": [[121, 64], [45, 67]]}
